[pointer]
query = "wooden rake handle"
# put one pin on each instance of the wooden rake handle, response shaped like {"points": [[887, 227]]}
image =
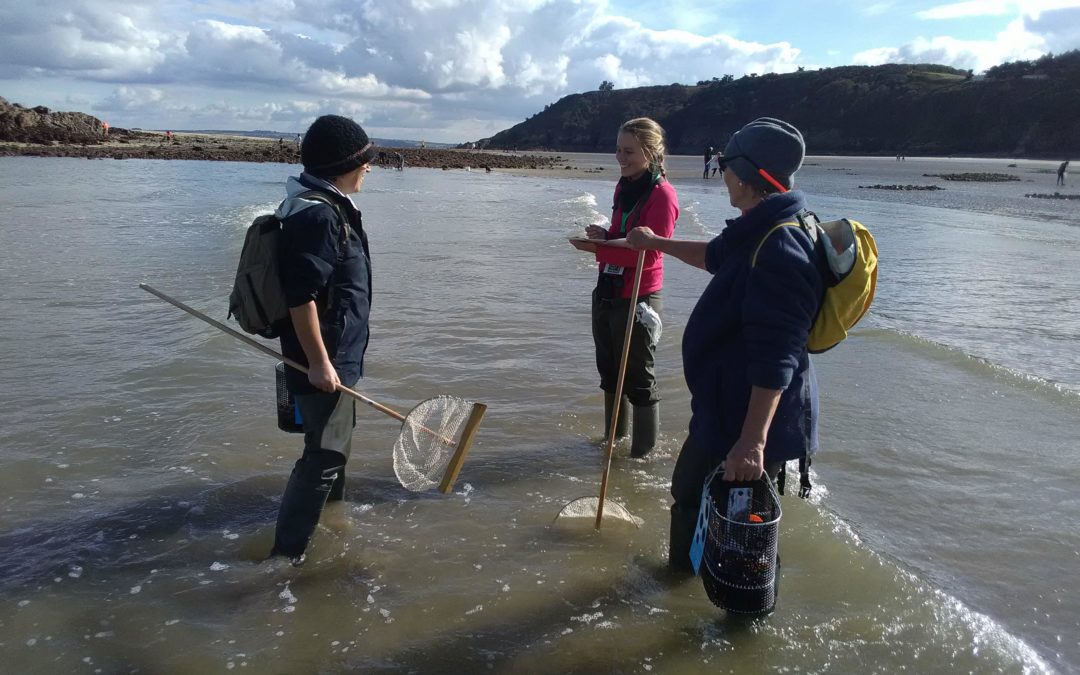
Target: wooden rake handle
{"points": [[619, 387]]}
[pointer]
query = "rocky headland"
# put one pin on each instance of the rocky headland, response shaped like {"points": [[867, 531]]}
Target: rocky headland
{"points": [[40, 132]]}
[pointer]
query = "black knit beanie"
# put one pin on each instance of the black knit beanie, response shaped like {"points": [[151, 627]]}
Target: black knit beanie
{"points": [[334, 146]]}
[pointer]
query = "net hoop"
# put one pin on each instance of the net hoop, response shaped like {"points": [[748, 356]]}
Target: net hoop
{"points": [[586, 507], [430, 434]]}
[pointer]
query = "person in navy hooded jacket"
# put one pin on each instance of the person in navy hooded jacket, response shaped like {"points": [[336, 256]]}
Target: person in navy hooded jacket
{"points": [[326, 275], [753, 393]]}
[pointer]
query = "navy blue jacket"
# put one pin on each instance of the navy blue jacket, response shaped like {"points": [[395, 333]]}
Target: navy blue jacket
{"points": [[310, 233], [750, 327]]}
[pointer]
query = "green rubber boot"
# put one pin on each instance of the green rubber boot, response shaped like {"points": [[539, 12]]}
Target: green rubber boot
{"points": [[609, 405], [646, 429], [680, 536]]}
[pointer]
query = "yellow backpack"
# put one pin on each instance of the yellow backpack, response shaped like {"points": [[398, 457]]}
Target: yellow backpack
{"points": [[851, 258]]}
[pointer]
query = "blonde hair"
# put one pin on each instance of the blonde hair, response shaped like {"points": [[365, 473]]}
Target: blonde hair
{"points": [[651, 136]]}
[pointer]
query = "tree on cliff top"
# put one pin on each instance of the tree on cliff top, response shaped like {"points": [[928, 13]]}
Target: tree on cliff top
{"points": [[1027, 109]]}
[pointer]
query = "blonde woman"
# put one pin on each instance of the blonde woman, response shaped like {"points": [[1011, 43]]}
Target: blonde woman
{"points": [[642, 198]]}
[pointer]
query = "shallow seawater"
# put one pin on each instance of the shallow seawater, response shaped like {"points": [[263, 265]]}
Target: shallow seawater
{"points": [[142, 467]]}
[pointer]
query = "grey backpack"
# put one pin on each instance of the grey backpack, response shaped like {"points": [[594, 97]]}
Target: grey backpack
{"points": [[258, 298]]}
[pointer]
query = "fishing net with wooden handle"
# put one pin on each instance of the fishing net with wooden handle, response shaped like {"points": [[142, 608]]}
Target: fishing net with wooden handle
{"points": [[586, 508], [435, 435], [430, 435]]}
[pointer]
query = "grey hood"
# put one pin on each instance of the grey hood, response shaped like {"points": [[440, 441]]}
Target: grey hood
{"points": [[294, 187]]}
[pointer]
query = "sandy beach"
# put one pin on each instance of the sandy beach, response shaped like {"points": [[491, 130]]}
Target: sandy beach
{"points": [[689, 167], [140, 144]]}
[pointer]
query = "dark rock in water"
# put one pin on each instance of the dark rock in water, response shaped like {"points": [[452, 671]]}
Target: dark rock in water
{"points": [[975, 177], [1056, 195], [901, 187]]}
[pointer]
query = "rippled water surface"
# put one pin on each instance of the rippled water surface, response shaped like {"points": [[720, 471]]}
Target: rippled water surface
{"points": [[141, 465]]}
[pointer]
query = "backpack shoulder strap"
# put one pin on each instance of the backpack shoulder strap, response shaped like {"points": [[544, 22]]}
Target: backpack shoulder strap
{"points": [[804, 220], [774, 228], [320, 196]]}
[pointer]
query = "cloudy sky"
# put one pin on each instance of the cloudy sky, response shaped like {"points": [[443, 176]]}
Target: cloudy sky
{"points": [[457, 70]]}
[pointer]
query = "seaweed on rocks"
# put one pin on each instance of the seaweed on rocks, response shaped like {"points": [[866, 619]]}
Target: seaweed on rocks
{"points": [[901, 187]]}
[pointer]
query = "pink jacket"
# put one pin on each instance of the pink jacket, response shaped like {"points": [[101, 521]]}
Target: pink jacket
{"points": [[658, 213]]}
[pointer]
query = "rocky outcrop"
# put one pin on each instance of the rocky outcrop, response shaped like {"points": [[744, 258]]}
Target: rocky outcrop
{"points": [[40, 125], [39, 132]]}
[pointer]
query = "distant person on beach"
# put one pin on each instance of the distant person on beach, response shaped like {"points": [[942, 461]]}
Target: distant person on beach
{"points": [[326, 275], [298, 139], [708, 158], [1061, 172], [105, 129], [642, 197], [400, 161], [716, 162], [753, 393]]}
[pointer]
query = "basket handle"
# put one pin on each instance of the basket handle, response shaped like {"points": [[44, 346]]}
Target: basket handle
{"points": [[764, 478]]}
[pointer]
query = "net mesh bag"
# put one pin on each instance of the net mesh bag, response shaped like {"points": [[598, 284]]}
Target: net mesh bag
{"points": [[739, 569], [429, 436], [586, 507]]}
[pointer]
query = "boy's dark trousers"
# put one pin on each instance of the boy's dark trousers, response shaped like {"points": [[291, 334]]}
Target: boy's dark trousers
{"points": [[319, 474]]}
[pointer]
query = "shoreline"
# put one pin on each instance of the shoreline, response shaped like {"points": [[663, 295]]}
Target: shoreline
{"points": [[680, 168], [125, 144], [129, 144]]}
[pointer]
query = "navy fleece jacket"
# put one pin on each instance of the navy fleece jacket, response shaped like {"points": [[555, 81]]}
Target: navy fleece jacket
{"points": [[750, 327], [309, 256]]}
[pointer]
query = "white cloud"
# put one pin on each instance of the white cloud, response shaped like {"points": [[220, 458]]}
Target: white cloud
{"points": [[446, 68], [876, 9], [1023, 39], [960, 10], [1060, 30], [105, 44]]}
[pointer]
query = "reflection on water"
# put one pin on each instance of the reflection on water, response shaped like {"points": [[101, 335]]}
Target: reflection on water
{"points": [[142, 465]]}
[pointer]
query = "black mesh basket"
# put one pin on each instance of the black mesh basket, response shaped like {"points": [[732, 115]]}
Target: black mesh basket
{"points": [[739, 567], [288, 416]]}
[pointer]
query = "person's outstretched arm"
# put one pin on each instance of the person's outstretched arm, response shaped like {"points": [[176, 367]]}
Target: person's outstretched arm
{"points": [[689, 251]]}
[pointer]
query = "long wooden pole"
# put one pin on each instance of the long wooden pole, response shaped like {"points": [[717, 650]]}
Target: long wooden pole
{"points": [[471, 425], [619, 387], [263, 348]]}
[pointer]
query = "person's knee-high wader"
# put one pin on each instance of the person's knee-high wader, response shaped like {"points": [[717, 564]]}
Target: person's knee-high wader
{"points": [[609, 314], [319, 475]]}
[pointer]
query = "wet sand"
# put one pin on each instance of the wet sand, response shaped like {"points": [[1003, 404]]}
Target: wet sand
{"points": [[687, 168]]}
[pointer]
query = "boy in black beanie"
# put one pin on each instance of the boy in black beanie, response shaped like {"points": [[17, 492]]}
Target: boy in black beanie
{"points": [[326, 274]]}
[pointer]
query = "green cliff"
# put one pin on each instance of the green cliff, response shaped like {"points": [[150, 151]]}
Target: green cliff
{"points": [[1026, 108]]}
